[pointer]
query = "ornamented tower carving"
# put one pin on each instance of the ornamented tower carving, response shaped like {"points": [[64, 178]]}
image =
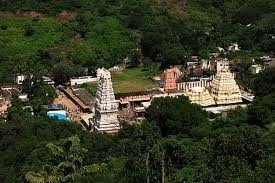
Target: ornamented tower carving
{"points": [[201, 96], [224, 89], [106, 107], [170, 80]]}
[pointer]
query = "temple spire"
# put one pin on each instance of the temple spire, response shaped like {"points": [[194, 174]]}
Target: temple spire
{"points": [[106, 107], [224, 89]]}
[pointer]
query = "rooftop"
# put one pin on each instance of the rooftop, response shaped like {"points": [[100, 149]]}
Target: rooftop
{"points": [[137, 93], [85, 96], [75, 99]]}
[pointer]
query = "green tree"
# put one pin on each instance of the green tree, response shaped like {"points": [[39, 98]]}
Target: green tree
{"points": [[69, 155], [62, 72], [175, 115], [261, 111], [264, 83]]}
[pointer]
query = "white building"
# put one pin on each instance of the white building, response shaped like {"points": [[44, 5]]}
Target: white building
{"points": [[82, 80], [23, 97], [234, 47], [223, 63], [255, 69], [19, 79], [205, 64], [48, 80]]}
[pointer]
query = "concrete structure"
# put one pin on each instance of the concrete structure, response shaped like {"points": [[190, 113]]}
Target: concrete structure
{"points": [[177, 72], [82, 80], [265, 61], [86, 120], [48, 80], [205, 64], [106, 107], [70, 105], [23, 97], [233, 47], [19, 79], [133, 104], [224, 89], [185, 86], [255, 69], [213, 65], [247, 96], [56, 107], [221, 109], [222, 63], [170, 80], [85, 96], [116, 69], [201, 96], [70, 95], [197, 71]]}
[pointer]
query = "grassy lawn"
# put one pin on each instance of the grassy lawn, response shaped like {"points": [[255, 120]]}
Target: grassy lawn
{"points": [[91, 87], [127, 81], [131, 80]]}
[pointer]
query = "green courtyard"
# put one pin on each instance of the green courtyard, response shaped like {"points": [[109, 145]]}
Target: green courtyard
{"points": [[131, 80]]}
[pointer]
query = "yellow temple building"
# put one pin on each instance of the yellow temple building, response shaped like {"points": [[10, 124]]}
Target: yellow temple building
{"points": [[224, 89], [201, 96]]}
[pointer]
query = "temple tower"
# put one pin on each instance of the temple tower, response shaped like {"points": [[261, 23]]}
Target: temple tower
{"points": [[106, 107], [224, 89], [221, 64], [201, 96], [170, 80]]}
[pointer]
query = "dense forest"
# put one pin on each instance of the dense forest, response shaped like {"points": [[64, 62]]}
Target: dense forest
{"points": [[104, 33], [177, 142]]}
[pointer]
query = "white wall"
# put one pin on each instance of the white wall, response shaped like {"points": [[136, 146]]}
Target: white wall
{"points": [[222, 64], [82, 80], [19, 79]]}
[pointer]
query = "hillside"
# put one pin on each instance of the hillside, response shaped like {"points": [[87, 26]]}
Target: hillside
{"points": [[93, 34]]}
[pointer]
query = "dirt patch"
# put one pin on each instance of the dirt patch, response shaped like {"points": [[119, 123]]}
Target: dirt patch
{"points": [[32, 14], [179, 7], [6, 14], [19, 13], [67, 15]]}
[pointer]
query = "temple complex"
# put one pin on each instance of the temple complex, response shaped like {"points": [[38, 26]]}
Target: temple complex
{"points": [[201, 96], [106, 107], [224, 89], [170, 80]]}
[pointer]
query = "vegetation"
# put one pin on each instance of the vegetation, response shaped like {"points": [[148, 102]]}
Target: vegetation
{"points": [[147, 32], [91, 87], [177, 142], [132, 79]]}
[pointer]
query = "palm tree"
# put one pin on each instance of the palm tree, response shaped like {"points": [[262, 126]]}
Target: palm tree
{"points": [[69, 154]]}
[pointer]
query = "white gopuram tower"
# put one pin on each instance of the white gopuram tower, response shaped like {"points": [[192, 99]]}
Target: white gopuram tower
{"points": [[106, 107]]}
